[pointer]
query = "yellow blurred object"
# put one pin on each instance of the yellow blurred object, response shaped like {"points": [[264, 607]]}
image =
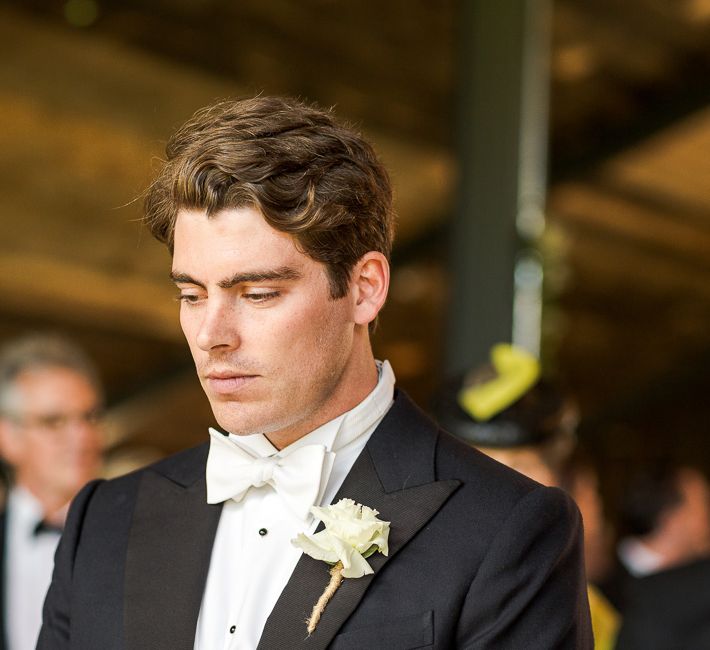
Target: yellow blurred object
{"points": [[605, 620], [517, 372]]}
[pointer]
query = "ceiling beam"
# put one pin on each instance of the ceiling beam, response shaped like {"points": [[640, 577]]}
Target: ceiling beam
{"points": [[580, 204], [70, 293]]}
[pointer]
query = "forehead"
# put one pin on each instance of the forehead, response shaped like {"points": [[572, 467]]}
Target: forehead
{"points": [[54, 388], [235, 235]]}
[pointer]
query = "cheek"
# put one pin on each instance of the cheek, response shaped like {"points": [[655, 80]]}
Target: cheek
{"points": [[292, 325], [290, 342], [318, 331], [187, 324], [293, 348], [41, 454], [190, 325]]}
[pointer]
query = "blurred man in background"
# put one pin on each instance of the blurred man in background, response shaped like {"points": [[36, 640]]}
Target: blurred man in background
{"points": [[662, 582], [50, 400]]}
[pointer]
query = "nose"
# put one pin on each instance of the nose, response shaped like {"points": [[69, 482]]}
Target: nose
{"points": [[84, 436], [217, 328]]}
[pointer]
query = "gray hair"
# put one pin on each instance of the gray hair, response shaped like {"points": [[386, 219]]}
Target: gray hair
{"points": [[36, 351]]}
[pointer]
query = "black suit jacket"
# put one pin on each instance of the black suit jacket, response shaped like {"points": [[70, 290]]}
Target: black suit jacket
{"points": [[668, 610], [480, 557]]}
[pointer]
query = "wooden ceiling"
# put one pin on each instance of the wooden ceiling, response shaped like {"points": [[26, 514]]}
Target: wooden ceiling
{"points": [[631, 198], [86, 110]]}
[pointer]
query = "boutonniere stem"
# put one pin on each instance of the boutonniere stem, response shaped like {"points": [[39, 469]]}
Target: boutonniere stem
{"points": [[336, 578], [352, 533]]}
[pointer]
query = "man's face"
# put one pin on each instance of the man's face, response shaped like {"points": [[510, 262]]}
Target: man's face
{"points": [[273, 351], [695, 510], [52, 439]]}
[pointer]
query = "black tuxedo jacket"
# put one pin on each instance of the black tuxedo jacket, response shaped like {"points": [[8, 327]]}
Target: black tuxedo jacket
{"points": [[480, 557]]}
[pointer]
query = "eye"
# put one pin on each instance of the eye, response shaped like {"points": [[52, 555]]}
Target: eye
{"points": [[261, 297], [53, 422], [188, 298]]}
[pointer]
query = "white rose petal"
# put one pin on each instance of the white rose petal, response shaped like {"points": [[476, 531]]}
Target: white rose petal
{"points": [[319, 548], [354, 565], [380, 539], [354, 533], [369, 513]]}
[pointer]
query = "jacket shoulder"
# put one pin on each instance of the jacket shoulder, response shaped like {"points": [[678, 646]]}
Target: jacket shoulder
{"points": [[456, 459], [492, 495]]}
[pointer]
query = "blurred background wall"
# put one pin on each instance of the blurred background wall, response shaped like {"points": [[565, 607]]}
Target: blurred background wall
{"points": [[551, 170]]}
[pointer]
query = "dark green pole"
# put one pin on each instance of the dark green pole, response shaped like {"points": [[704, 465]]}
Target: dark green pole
{"points": [[501, 145]]}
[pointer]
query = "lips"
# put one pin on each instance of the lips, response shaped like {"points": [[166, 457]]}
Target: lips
{"points": [[227, 383]]}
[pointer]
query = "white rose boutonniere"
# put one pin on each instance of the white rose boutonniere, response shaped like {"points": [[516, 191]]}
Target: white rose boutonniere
{"points": [[352, 533]]}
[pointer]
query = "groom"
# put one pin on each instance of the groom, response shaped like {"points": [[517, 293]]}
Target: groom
{"points": [[280, 224]]}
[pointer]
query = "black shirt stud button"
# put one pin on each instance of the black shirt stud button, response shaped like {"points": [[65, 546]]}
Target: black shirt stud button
{"points": [[263, 531], [233, 629]]}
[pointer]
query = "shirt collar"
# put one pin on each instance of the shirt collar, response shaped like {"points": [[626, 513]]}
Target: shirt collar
{"points": [[638, 558], [25, 509]]}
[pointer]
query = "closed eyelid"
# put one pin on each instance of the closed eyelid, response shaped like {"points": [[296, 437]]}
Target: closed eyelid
{"points": [[261, 296], [190, 292]]}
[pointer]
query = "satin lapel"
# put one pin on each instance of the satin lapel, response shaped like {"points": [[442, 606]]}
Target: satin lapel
{"points": [[408, 509], [168, 556]]}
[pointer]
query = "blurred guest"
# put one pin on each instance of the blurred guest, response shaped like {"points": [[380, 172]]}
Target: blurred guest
{"points": [[508, 411], [662, 584], [50, 399], [580, 478]]}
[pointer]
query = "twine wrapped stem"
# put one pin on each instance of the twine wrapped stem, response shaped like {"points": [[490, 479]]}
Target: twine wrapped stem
{"points": [[336, 577]]}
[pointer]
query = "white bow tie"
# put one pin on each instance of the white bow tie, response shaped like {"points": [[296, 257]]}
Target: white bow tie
{"points": [[296, 476]]}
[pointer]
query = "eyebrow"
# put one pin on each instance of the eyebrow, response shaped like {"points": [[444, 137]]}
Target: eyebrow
{"points": [[267, 275]]}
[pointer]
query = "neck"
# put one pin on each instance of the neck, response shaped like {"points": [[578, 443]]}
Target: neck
{"points": [[54, 506], [672, 550]]}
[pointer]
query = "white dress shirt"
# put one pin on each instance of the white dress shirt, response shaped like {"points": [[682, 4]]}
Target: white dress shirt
{"points": [[252, 557], [29, 561], [638, 559]]}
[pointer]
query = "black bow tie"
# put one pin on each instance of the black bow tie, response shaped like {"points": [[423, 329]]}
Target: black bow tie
{"points": [[45, 526]]}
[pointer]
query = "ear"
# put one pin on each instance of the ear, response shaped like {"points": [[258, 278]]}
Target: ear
{"points": [[370, 280]]}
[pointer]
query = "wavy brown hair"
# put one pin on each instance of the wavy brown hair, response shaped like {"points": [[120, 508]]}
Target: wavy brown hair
{"points": [[307, 174]]}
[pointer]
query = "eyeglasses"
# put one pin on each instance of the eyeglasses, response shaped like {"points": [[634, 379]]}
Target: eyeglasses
{"points": [[58, 421]]}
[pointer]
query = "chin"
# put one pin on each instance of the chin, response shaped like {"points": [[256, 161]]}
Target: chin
{"points": [[235, 425], [240, 426]]}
